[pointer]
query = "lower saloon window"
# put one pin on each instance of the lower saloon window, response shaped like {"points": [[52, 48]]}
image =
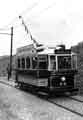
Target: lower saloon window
{"points": [[23, 63], [18, 63], [42, 62], [43, 65], [52, 62], [34, 62], [43, 73], [27, 62]]}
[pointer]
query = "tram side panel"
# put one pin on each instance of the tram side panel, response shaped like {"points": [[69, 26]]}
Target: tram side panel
{"points": [[26, 77], [35, 78]]}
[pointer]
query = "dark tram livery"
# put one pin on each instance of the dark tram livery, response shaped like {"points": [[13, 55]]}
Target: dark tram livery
{"points": [[51, 70]]}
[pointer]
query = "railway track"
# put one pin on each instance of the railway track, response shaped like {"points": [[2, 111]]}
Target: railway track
{"points": [[68, 103], [76, 99]]}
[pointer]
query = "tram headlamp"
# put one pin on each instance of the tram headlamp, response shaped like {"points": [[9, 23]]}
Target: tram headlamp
{"points": [[65, 83], [63, 79], [61, 83]]}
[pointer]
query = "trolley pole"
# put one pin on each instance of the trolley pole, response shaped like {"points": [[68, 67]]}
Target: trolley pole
{"points": [[11, 45]]}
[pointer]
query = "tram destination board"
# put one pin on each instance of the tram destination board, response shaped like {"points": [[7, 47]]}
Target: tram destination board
{"points": [[67, 51]]}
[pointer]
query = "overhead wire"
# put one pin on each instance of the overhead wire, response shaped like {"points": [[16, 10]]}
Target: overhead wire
{"points": [[26, 28], [45, 9], [29, 9], [24, 12], [41, 12]]}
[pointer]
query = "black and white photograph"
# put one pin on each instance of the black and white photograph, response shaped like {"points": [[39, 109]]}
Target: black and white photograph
{"points": [[41, 60]]}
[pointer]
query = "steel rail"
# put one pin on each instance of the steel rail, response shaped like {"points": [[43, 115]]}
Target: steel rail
{"points": [[70, 97], [66, 108], [53, 102]]}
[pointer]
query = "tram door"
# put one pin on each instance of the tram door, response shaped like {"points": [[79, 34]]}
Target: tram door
{"points": [[42, 66], [52, 63]]}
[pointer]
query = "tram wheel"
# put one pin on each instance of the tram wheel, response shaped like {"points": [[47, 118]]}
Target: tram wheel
{"points": [[20, 85]]}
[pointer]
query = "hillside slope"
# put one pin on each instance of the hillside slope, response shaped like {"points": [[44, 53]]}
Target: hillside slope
{"points": [[4, 61], [79, 78]]}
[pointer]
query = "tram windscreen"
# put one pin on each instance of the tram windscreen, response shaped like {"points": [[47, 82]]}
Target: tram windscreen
{"points": [[64, 62]]}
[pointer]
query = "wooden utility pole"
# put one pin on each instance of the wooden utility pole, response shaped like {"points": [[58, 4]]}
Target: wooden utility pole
{"points": [[11, 46]]}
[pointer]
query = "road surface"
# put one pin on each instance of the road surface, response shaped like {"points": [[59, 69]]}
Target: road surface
{"points": [[19, 105]]}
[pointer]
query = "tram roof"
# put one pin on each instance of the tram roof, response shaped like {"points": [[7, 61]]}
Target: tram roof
{"points": [[31, 50], [47, 51]]}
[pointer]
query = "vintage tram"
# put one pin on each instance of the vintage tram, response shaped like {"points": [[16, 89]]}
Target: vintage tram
{"points": [[46, 69]]}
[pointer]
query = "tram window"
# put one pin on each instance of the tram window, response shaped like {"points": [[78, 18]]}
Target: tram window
{"points": [[27, 62], [34, 62], [18, 63], [74, 61], [64, 62], [23, 63], [52, 62], [42, 62], [43, 65]]}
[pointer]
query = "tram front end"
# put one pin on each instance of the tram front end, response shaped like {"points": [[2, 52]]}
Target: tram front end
{"points": [[63, 68]]}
